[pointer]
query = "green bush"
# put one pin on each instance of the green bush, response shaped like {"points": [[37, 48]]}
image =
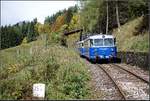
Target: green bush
{"points": [[55, 37]]}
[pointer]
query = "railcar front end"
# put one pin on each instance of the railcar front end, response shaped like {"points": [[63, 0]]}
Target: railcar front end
{"points": [[102, 52], [99, 47]]}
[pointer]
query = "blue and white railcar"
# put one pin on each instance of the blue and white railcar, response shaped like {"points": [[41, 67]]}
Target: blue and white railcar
{"points": [[98, 47]]}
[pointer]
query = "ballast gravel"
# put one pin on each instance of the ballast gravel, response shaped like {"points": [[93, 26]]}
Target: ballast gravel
{"points": [[134, 88], [102, 86], [104, 89]]}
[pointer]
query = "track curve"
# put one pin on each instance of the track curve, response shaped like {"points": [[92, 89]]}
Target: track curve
{"points": [[130, 85], [139, 77], [119, 89]]}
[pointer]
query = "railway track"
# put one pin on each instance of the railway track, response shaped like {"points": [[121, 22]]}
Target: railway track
{"points": [[122, 77], [119, 89], [131, 72]]}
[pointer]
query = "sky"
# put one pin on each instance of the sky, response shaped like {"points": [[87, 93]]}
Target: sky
{"points": [[16, 11]]}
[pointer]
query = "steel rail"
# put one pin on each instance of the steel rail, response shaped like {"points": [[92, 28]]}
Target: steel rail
{"points": [[139, 77], [119, 89]]}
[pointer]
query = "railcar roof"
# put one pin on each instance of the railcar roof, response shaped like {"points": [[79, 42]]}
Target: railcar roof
{"points": [[80, 42], [100, 36]]}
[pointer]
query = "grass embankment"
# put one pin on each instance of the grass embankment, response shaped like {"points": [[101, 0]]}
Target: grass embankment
{"points": [[60, 68], [127, 41]]}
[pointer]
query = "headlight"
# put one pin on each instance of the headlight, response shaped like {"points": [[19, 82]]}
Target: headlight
{"points": [[101, 56], [107, 56], [112, 49]]}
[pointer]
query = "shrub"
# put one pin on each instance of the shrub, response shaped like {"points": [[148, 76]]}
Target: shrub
{"points": [[55, 37]]}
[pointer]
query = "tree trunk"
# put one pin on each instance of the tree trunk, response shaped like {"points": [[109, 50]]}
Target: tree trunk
{"points": [[117, 16], [107, 20]]}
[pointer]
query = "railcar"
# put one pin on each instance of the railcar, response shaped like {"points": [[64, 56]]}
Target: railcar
{"points": [[98, 47]]}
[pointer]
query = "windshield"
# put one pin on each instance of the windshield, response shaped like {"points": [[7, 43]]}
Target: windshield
{"points": [[98, 42], [108, 42]]}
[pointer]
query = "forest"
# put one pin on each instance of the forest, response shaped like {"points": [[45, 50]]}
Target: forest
{"points": [[98, 16]]}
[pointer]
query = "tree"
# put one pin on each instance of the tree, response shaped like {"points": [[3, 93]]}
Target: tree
{"points": [[24, 41], [32, 32], [58, 23], [107, 20], [117, 16], [137, 8], [94, 14], [40, 28], [68, 16], [74, 23], [47, 28], [91, 12]]}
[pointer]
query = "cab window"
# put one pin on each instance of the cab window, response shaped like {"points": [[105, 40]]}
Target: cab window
{"points": [[108, 42], [98, 42]]}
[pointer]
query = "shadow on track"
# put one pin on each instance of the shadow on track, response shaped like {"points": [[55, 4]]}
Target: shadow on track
{"points": [[105, 61]]}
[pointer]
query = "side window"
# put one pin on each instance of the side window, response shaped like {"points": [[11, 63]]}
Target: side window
{"points": [[91, 42], [85, 44], [81, 45], [114, 41]]}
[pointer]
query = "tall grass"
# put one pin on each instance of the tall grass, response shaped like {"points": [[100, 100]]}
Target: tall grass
{"points": [[60, 68]]}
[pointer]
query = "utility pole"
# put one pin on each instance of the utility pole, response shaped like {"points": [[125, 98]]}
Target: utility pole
{"points": [[117, 16], [100, 29], [80, 6], [107, 19]]}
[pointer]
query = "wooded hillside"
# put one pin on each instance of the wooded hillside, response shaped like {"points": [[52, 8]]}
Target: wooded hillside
{"points": [[98, 16]]}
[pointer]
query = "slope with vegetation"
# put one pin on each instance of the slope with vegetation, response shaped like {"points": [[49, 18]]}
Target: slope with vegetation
{"points": [[43, 60], [34, 63], [128, 39]]}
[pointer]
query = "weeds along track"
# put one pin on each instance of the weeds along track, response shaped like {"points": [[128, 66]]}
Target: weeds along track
{"points": [[130, 85]]}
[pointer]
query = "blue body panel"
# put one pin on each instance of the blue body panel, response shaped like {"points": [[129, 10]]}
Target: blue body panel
{"points": [[82, 51], [99, 52]]}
